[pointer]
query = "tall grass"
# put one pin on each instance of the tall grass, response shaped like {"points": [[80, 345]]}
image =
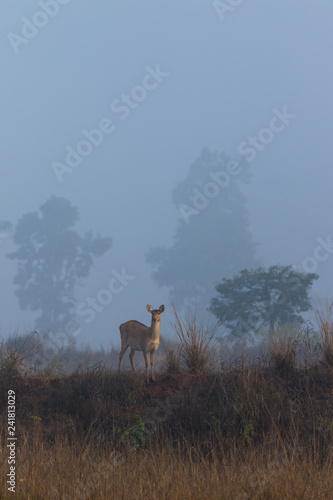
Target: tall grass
{"points": [[13, 356], [196, 342], [172, 354], [325, 323], [260, 430], [282, 352], [81, 470]]}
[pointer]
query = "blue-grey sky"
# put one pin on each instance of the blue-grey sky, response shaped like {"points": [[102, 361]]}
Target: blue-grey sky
{"points": [[218, 74]]}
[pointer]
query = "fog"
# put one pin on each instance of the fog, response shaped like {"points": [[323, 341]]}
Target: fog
{"points": [[198, 74]]}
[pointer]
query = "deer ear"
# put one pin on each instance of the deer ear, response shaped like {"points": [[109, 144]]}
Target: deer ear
{"points": [[149, 308], [161, 308]]}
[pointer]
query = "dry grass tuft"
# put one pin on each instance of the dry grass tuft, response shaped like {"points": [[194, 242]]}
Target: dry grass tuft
{"points": [[197, 350], [82, 471], [253, 430]]}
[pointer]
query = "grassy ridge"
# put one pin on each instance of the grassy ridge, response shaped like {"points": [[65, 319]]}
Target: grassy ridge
{"points": [[206, 429], [246, 431]]}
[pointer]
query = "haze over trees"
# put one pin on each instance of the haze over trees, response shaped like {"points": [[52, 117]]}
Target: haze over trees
{"points": [[52, 260], [262, 299], [212, 239]]}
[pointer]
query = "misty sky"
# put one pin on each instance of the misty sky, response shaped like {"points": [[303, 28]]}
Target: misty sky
{"points": [[210, 79]]}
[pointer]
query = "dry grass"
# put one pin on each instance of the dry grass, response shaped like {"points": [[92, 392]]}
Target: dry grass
{"points": [[248, 431], [13, 357], [83, 471], [196, 342], [325, 323], [283, 353], [172, 354]]}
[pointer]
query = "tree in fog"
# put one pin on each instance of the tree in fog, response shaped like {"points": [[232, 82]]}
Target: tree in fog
{"points": [[212, 238], [52, 260], [262, 299]]}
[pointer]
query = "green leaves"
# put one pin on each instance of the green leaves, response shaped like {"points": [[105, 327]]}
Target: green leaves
{"points": [[262, 298]]}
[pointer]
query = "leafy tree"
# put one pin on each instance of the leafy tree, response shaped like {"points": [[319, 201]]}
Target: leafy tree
{"points": [[52, 259], [212, 236], [262, 299]]}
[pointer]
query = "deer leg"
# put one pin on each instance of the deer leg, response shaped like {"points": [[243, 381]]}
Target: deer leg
{"points": [[145, 355], [121, 355], [131, 356], [152, 354]]}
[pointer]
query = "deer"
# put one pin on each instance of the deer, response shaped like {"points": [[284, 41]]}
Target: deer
{"points": [[140, 337]]}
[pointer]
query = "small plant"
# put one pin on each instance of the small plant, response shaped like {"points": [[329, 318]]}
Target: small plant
{"points": [[134, 436], [133, 399], [34, 418], [217, 424], [197, 351], [248, 433]]}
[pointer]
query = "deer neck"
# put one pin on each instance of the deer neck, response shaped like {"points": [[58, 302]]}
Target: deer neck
{"points": [[155, 330]]}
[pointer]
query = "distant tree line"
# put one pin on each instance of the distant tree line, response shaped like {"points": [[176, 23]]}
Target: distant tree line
{"points": [[213, 252]]}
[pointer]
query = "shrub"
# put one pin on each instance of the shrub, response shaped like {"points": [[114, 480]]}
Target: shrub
{"points": [[197, 350]]}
